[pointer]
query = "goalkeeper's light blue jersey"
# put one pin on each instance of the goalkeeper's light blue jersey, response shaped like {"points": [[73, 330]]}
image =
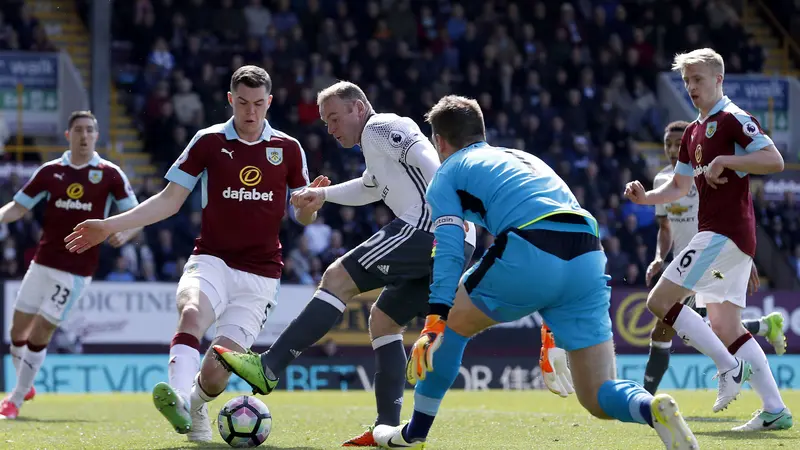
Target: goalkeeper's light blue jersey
{"points": [[498, 189]]}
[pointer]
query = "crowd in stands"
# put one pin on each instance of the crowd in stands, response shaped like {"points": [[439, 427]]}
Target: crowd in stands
{"points": [[781, 219], [572, 82], [21, 30]]}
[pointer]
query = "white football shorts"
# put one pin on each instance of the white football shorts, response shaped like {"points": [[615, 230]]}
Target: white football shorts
{"points": [[241, 300], [49, 292], [714, 268]]}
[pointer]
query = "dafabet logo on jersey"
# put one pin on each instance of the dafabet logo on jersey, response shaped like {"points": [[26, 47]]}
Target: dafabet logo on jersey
{"points": [[74, 192], [249, 176]]}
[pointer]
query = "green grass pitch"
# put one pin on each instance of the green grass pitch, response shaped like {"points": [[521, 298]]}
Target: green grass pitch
{"points": [[322, 420]]}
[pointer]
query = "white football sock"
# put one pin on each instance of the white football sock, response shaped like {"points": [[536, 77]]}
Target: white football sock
{"points": [[199, 397], [29, 367], [17, 353], [184, 363], [691, 326], [762, 380]]}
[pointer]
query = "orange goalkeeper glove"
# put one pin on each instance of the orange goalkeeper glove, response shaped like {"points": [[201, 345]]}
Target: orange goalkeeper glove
{"points": [[553, 362], [421, 360]]}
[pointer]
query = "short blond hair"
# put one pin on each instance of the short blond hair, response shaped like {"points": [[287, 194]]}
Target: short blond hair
{"points": [[706, 56], [345, 90]]}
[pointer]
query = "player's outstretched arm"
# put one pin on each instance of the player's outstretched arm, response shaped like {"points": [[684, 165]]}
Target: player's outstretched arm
{"points": [[11, 212], [668, 192], [352, 193], [157, 208]]}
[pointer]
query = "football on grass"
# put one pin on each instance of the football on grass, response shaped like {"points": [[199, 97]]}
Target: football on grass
{"points": [[244, 422]]}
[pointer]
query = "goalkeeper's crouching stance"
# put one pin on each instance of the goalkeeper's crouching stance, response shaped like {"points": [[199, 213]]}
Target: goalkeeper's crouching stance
{"points": [[546, 257]]}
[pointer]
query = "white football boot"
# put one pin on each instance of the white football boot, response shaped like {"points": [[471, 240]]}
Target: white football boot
{"points": [[730, 384], [201, 427], [387, 436]]}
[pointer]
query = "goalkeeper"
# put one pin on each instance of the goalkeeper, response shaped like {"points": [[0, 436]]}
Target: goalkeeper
{"points": [[546, 257]]}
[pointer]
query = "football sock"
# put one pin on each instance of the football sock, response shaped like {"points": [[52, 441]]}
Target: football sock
{"points": [[199, 396], [625, 401], [317, 318], [390, 380], [762, 380], [17, 351], [756, 327], [429, 392], [184, 362], [690, 326], [30, 364], [657, 365]]}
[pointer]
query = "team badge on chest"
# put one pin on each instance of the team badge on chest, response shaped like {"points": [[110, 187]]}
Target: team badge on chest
{"points": [[711, 128], [95, 176], [274, 155]]}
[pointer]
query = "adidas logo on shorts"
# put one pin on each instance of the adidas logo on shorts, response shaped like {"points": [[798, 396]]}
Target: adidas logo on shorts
{"points": [[384, 268]]}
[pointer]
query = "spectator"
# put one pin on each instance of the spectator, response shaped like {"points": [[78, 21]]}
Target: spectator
{"points": [[318, 236], [258, 18], [121, 271], [571, 84], [618, 261], [187, 105]]}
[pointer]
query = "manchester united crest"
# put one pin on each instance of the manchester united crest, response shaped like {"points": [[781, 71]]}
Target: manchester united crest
{"points": [[95, 176], [711, 128], [274, 155], [698, 154]]}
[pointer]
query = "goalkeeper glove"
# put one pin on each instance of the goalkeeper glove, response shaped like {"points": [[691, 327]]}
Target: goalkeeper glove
{"points": [[553, 362], [421, 360]]}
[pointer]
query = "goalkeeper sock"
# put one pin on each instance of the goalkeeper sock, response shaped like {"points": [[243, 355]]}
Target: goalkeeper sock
{"points": [[429, 392], [313, 323], [657, 365], [390, 380], [625, 401]]}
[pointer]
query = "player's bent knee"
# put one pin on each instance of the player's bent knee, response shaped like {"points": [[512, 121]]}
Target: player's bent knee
{"points": [[338, 282], [380, 324], [664, 296], [662, 332]]}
